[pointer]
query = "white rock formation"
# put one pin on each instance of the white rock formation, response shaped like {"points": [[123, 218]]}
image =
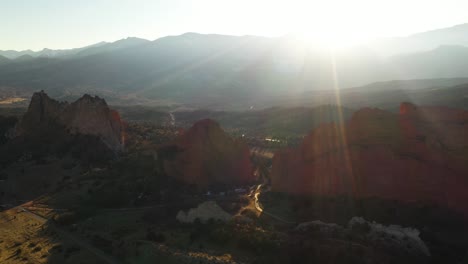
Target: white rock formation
{"points": [[204, 212], [404, 236]]}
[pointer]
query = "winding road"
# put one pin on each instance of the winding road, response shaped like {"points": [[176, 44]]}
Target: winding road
{"points": [[260, 209]]}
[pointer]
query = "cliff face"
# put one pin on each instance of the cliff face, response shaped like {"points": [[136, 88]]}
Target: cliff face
{"points": [[88, 116], [420, 154], [208, 156]]}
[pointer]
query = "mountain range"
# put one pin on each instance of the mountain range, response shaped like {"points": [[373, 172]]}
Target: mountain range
{"points": [[76, 52], [229, 72]]}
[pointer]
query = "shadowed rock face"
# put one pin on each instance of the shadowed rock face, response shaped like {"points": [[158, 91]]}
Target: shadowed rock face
{"points": [[88, 116], [420, 154], [208, 156]]}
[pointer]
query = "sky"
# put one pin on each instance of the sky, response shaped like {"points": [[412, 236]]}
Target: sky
{"points": [[62, 24]]}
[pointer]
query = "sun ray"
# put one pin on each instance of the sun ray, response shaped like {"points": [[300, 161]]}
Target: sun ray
{"points": [[342, 130]]}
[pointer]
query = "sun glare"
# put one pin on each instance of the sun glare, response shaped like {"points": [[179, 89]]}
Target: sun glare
{"points": [[331, 36], [322, 24]]}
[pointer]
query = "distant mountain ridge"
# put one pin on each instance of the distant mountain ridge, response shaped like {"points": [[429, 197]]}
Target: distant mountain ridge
{"points": [[75, 52], [227, 72], [13, 54], [113, 46], [424, 41]]}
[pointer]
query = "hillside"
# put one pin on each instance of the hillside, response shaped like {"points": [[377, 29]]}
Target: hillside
{"points": [[386, 95]]}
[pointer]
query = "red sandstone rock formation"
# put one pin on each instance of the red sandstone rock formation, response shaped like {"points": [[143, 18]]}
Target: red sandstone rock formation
{"points": [[88, 115], [420, 154], [208, 156]]}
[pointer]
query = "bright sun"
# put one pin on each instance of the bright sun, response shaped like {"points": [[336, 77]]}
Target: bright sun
{"points": [[323, 24], [331, 37], [330, 33]]}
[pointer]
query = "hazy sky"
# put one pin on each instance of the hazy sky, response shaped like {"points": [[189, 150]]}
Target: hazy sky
{"points": [[36, 24]]}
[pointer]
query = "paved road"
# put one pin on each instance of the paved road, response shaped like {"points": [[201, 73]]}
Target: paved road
{"points": [[81, 242]]}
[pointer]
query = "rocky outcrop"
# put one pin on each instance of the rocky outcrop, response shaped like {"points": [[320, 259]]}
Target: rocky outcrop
{"points": [[205, 155], [42, 111], [88, 116], [419, 154]]}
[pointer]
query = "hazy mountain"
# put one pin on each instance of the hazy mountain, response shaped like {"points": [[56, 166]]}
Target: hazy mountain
{"points": [[218, 71], [106, 47], [443, 62], [25, 57], [4, 60], [187, 60], [12, 54], [83, 51], [456, 35]]}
